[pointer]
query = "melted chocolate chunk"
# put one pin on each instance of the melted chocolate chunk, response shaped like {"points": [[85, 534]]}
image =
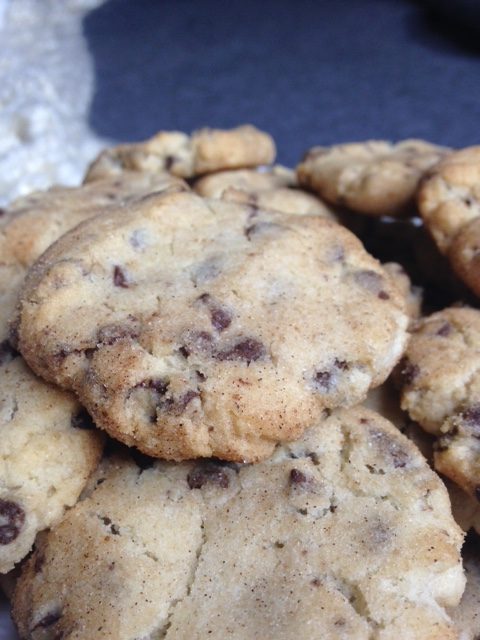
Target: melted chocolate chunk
{"points": [[388, 446], [323, 379], [260, 228], [15, 517], [220, 317], [111, 333], [370, 280], [7, 352], [82, 420], [208, 473], [297, 477], [247, 350], [119, 277], [408, 371], [169, 162], [445, 330], [471, 416], [49, 620], [159, 385], [383, 295]]}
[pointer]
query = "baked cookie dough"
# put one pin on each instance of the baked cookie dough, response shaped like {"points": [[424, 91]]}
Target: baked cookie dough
{"points": [[375, 178], [346, 533], [195, 328], [440, 378], [204, 151], [449, 202]]}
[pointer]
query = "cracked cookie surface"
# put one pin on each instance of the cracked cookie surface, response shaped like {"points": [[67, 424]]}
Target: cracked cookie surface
{"points": [[325, 528], [204, 151], [176, 322], [440, 379], [374, 177]]}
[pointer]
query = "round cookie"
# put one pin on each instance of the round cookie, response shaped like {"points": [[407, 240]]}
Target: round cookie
{"points": [[375, 177], [47, 452], [440, 378], [449, 202], [249, 180], [345, 533], [194, 328], [449, 197], [205, 151]]}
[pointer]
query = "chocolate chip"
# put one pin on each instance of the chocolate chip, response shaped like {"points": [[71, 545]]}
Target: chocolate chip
{"points": [[445, 330], [408, 371], [111, 333], [323, 379], [314, 458], [169, 162], [246, 350], [7, 352], [471, 416], [49, 620], [119, 277], [260, 228], [15, 517], [220, 317], [159, 385], [82, 420], [298, 477], [388, 446], [370, 280], [383, 295], [341, 364], [208, 473]]}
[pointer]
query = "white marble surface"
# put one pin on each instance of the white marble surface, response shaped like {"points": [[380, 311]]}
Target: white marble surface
{"points": [[47, 84]]}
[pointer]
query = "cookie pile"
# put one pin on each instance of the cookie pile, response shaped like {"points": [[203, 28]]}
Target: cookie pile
{"points": [[187, 341]]}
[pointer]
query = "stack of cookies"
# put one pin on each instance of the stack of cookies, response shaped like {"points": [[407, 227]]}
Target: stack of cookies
{"points": [[204, 379]]}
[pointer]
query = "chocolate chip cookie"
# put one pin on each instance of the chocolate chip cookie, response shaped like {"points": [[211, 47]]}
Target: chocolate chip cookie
{"points": [[440, 382], [374, 178], [346, 533], [205, 151], [449, 202], [195, 328]]}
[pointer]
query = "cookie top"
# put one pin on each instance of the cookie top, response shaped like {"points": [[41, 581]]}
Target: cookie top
{"points": [[47, 452], [32, 223], [205, 151], [310, 543], [286, 200], [249, 180], [449, 202], [441, 390], [449, 196], [439, 374], [202, 328], [374, 177]]}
